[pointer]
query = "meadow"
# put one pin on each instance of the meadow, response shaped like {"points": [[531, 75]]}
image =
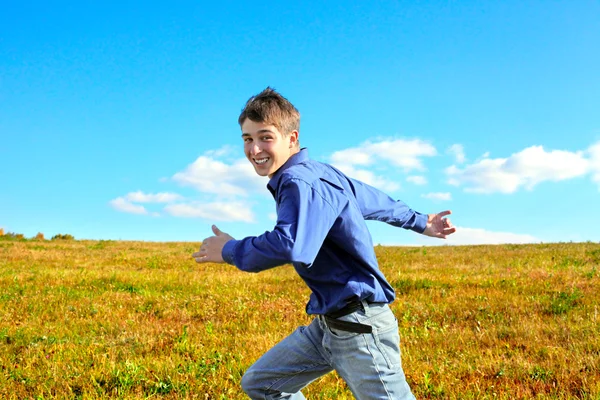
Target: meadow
{"points": [[84, 319]]}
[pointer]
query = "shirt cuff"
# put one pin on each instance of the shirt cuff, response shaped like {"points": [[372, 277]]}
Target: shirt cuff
{"points": [[420, 222], [228, 252]]}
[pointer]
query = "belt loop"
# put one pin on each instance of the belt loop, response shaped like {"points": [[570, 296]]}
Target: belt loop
{"points": [[365, 306]]}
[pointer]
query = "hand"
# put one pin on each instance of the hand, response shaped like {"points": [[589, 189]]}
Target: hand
{"points": [[211, 248], [438, 226]]}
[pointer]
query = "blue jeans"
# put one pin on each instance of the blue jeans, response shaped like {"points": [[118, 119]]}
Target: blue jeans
{"points": [[369, 363]]}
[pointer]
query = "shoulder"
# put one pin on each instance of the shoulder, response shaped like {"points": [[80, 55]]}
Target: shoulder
{"points": [[316, 177], [312, 173], [301, 172]]}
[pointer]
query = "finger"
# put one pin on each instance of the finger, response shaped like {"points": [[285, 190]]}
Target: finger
{"points": [[201, 259], [444, 213], [200, 253], [216, 230]]}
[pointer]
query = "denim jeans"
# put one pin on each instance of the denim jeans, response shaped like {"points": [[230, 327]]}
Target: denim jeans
{"points": [[369, 363]]}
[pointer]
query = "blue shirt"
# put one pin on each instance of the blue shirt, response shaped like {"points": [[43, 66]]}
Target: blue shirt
{"points": [[321, 231]]}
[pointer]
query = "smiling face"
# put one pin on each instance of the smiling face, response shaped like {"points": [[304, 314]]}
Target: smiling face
{"points": [[266, 147]]}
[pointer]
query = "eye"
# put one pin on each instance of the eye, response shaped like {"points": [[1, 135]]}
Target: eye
{"points": [[247, 140]]}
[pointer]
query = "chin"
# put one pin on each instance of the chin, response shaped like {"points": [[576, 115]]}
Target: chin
{"points": [[262, 173]]}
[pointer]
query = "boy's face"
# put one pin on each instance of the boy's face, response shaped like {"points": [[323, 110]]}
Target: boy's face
{"points": [[266, 148]]}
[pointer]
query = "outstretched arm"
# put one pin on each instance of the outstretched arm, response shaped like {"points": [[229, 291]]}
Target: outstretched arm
{"points": [[376, 205], [297, 237], [438, 226]]}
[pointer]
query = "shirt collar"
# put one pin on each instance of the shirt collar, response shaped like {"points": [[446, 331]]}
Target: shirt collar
{"points": [[297, 158]]}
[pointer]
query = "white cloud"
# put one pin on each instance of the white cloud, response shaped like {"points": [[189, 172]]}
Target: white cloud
{"points": [[458, 151], [121, 204], [471, 236], [272, 217], [208, 175], [141, 197], [594, 152], [438, 196], [226, 150], [482, 236], [353, 156], [474, 236], [401, 153], [417, 180], [527, 168], [126, 204], [217, 211], [225, 180]]}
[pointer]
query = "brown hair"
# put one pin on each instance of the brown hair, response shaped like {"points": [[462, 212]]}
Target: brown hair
{"points": [[269, 107]]}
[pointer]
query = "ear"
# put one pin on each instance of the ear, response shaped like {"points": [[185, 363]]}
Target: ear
{"points": [[293, 138]]}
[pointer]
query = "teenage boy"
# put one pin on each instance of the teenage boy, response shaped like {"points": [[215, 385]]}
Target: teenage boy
{"points": [[321, 231]]}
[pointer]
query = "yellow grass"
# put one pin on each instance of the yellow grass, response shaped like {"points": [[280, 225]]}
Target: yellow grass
{"points": [[106, 319]]}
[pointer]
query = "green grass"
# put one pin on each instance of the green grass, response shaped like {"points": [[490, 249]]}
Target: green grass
{"points": [[109, 319]]}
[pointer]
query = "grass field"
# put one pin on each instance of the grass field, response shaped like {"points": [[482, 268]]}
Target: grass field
{"points": [[107, 319]]}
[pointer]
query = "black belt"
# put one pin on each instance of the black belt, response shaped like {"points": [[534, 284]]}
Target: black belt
{"points": [[333, 321]]}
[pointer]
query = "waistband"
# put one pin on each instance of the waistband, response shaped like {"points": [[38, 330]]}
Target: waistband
{"points": [[332, 318], [349, 308]]}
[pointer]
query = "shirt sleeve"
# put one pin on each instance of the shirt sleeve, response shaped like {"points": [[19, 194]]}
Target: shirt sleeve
{"points": [[304, 218], [377, 205]]}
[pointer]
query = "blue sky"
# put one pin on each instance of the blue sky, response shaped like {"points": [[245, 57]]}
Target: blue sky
{"points": [[119, 120]]}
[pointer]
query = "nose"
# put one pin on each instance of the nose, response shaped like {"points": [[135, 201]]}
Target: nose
{"points": [[255, 149]]}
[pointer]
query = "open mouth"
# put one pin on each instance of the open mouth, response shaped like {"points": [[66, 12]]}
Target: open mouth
{"points": [[261, 161]]}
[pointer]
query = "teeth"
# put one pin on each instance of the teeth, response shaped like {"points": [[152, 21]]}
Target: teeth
{"points": [[261, 161]]}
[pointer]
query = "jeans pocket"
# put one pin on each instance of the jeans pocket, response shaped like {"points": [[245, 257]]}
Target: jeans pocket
{"points": [[341, 334], [387, 340]]}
